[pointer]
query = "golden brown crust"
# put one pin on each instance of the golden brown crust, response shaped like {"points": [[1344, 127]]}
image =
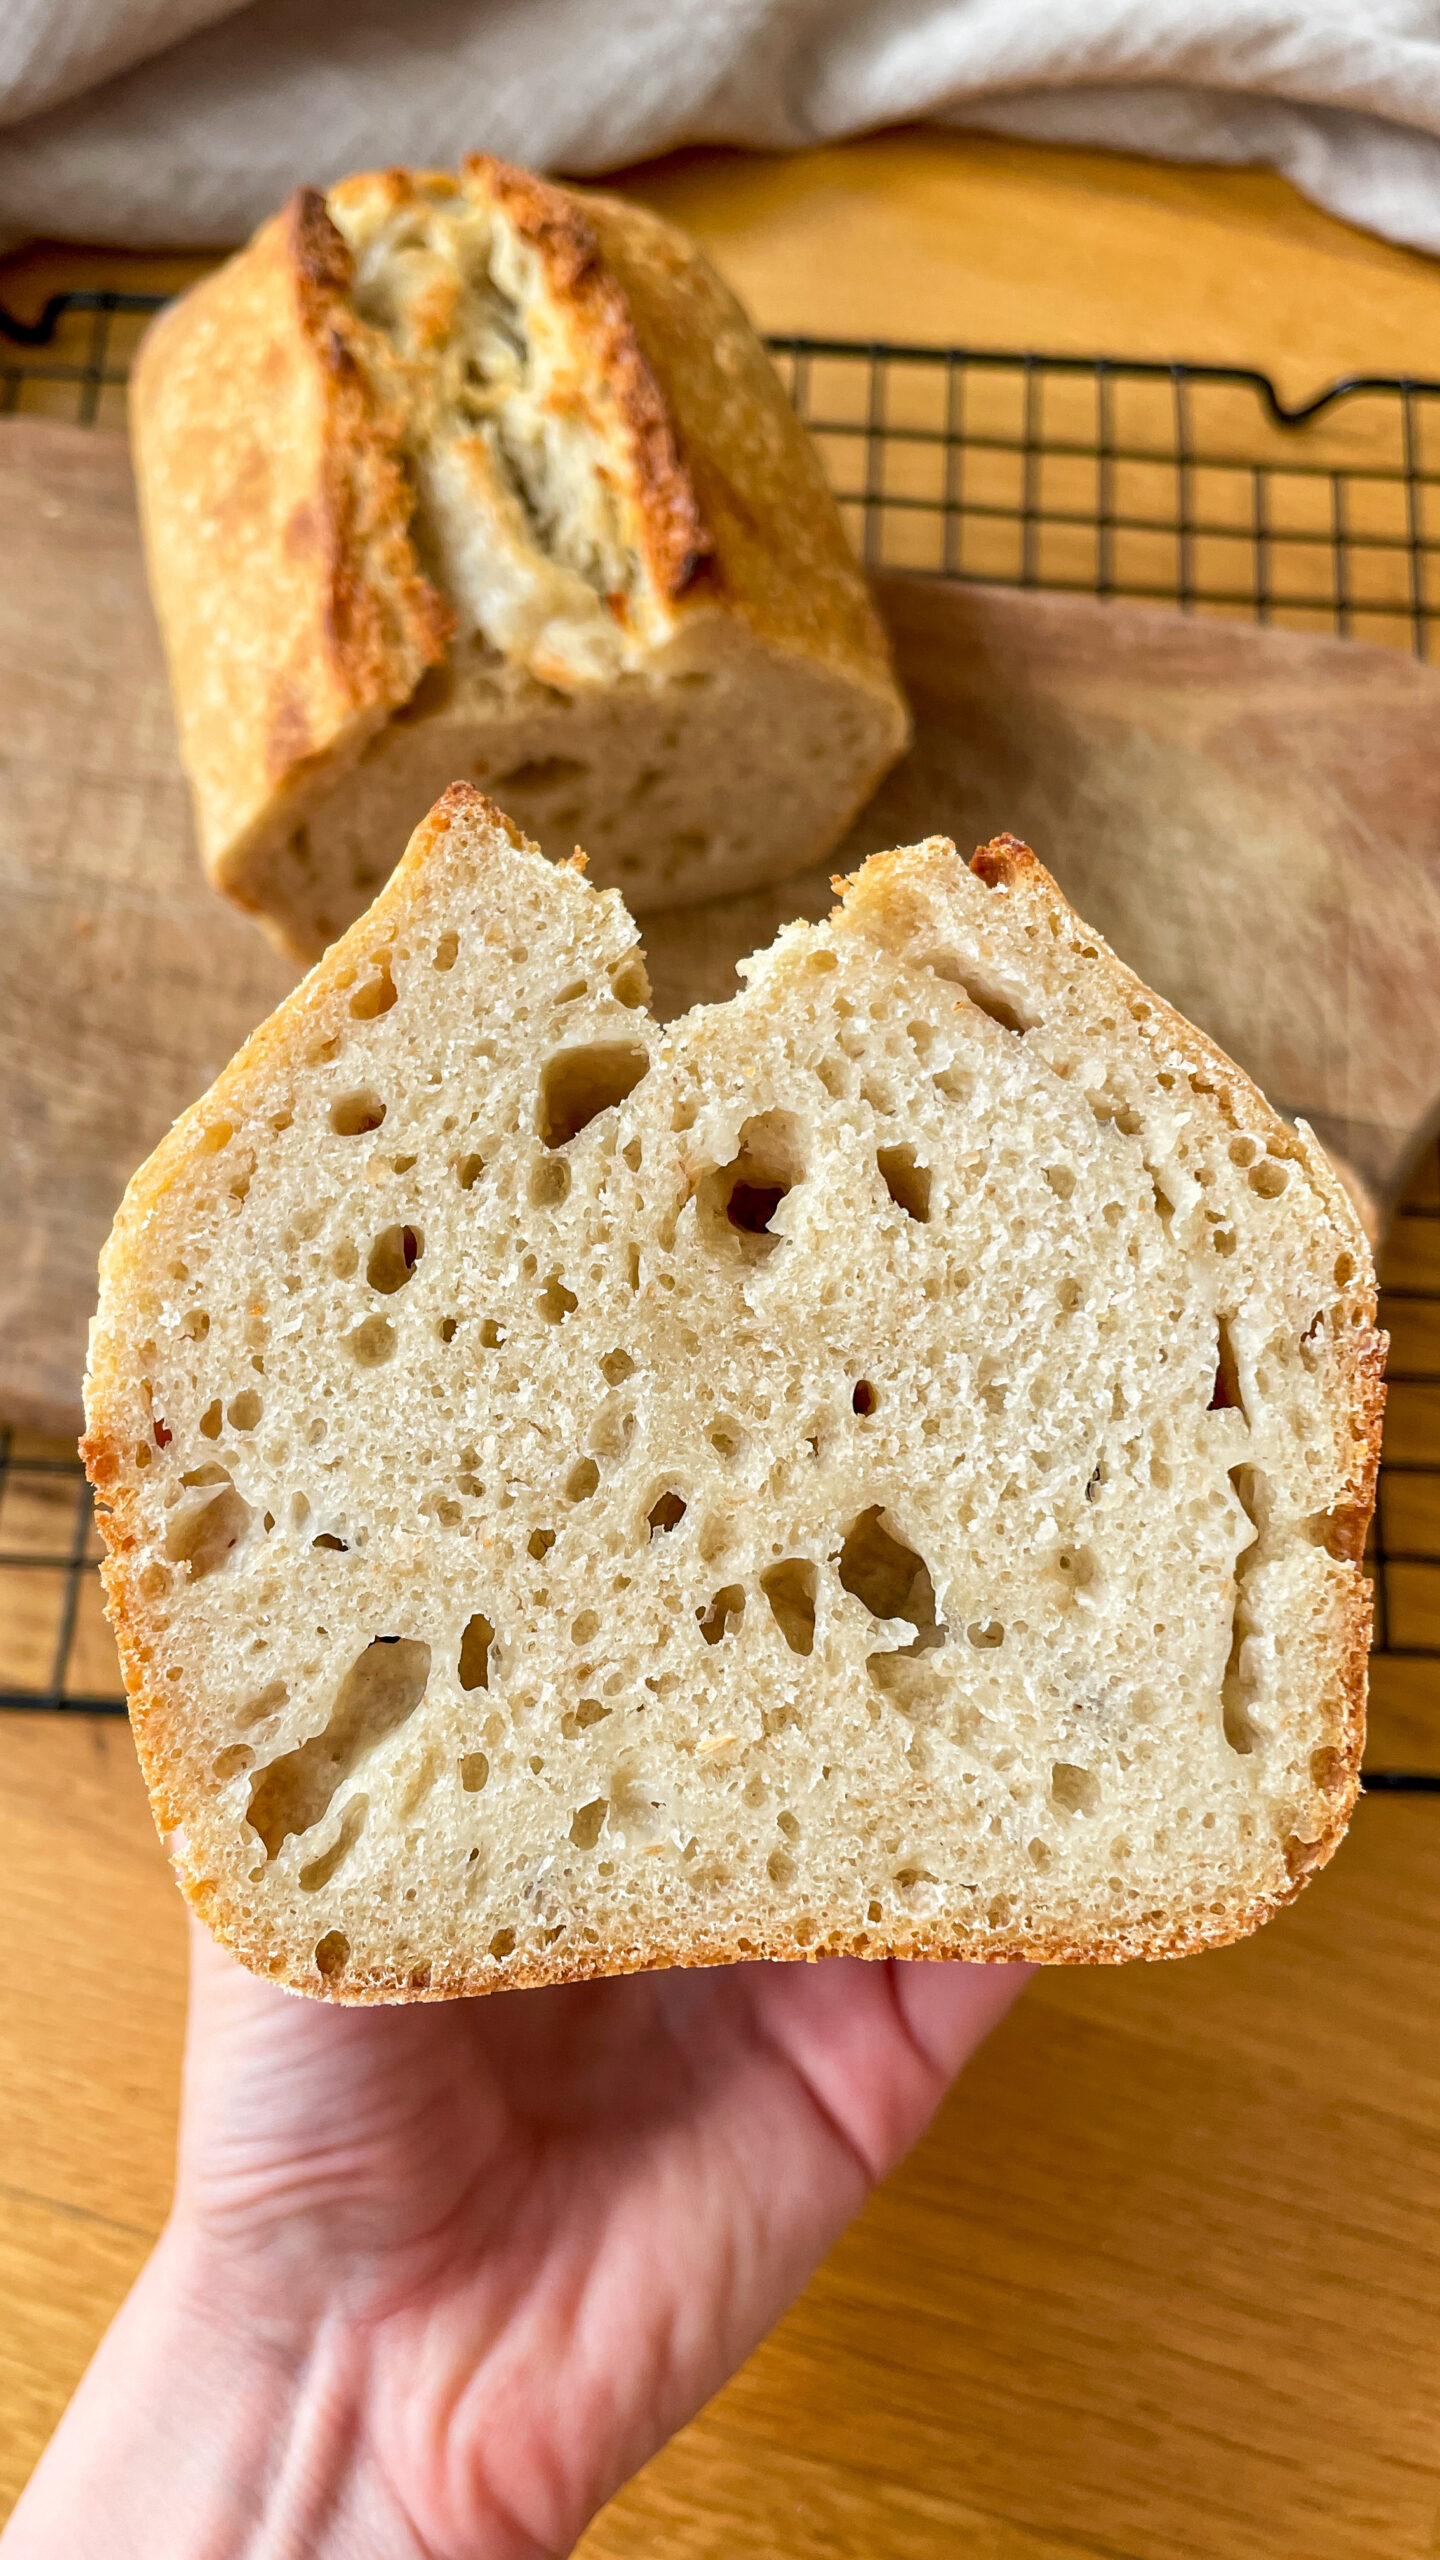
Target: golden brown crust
{"points": [[277, 507], [779, 555], [556, 226], [1008, 865], [275, 511]]}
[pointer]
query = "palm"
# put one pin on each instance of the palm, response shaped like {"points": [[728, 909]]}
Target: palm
{"points": [[555, 2219]]}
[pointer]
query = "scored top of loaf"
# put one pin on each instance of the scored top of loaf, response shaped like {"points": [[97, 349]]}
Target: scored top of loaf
{"points": [[292, 411]]}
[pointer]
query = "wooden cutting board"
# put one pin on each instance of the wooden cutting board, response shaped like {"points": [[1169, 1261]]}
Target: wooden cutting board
{"points": [[1251, 818]]}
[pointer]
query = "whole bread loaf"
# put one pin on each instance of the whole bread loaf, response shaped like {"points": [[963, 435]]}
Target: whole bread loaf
{"points": [[468, 474], [878, 1466]]}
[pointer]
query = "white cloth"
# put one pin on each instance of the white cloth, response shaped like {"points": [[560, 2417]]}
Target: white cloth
{"points": [[170, 122]]}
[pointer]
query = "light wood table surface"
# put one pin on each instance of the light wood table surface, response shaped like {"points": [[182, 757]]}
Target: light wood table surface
{"points": [[1163, 2282]]}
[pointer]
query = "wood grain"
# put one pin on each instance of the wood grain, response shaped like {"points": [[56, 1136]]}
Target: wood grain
{"points": [[1161, 2283]]}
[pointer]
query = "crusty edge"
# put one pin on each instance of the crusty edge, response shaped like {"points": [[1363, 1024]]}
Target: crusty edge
{"points": [[357, 606], [381, 644], [1004, 864]]}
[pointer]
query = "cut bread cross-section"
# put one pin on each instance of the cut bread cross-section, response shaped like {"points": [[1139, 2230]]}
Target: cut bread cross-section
{"points": [[465, 473], [877, 1466]]}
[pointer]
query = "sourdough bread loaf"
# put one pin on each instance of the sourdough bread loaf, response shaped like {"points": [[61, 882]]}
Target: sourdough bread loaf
{"points": [[471, 475], [880, 1465]]}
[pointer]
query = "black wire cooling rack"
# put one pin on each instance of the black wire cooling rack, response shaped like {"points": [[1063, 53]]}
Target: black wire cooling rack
{"points": [[1177, 484]]}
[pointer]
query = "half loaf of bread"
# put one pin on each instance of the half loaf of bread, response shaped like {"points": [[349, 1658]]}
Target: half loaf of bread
{"points": [[878, 1466], [471, 475]]}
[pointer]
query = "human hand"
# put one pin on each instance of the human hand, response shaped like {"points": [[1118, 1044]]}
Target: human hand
{"points": [[460, 2268]]}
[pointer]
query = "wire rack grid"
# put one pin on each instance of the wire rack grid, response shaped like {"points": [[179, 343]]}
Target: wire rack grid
{"points": [[1177, 484]]}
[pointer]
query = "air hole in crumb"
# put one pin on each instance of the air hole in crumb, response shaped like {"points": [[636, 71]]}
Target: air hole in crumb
{"points": [[780, 1866], [1061, 1180], [393, 1257], [539, 1543], [475, 1646], [629, 983], [336, 1546], [863, 1399], [502, 1944], [332, 1953], [666, 1514], [446, 951], [589, 1822], [556, 1301], [211, 1421], [985, 1633], [549, 1182], [727, 1438], [584, 1627], [790, 1588], [576, 1085], [447, 1328], [321, 1869], [232, 1762], [244, 1410], [579, 1718], [383, 1686], [491, 1334], [986, 998], [887, 1577], [616, 1367], [1225, 1395], [727, 1605], [372, 1343], [474, 1770], [468, 1171], [1269, 1178], [907, 1181], [376, 996], [207, 1524], [256, 1709], [582, 1480], [741, 1197], [1073, 1789], [1345, 1268]]}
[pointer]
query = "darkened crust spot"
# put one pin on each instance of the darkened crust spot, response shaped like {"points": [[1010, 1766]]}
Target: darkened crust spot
{"points": [[1004, 861]]}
